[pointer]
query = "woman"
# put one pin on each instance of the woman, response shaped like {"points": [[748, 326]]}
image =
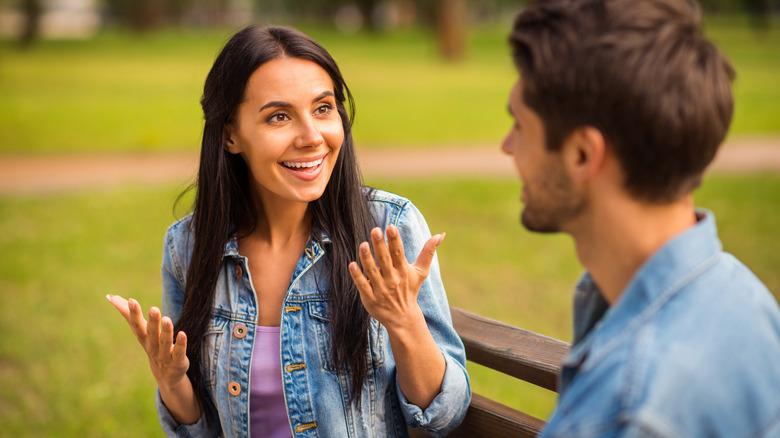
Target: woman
{"points": [[278, 332]]}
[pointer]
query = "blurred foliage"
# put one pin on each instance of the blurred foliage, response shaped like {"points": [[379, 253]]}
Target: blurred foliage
{"points": [[127, 92]]}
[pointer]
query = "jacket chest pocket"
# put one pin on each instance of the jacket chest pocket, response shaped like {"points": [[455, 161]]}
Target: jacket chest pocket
{"points": [[320, 317], [209, 353]]}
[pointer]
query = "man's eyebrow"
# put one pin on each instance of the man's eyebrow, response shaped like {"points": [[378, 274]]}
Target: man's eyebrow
{"points": [[281, 104], [509, 109]]}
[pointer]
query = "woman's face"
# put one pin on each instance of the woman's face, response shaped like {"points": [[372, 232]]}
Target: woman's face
{"points": [[288, 130]]}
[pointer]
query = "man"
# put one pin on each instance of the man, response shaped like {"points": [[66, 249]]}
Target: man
{"points": [[619, 108]]}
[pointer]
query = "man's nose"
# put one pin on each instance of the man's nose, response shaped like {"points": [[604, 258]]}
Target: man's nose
{"points": [[507, 145]]}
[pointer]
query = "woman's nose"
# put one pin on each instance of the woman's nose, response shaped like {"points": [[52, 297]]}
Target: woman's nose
{"points": [[308, 135]]}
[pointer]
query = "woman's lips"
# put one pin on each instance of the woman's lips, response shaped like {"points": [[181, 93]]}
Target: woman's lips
{"points": [[306, 170]]}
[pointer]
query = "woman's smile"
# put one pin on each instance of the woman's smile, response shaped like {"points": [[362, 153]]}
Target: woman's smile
{"points": [[306, 169]]}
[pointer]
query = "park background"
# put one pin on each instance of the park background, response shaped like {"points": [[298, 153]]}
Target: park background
{"points": [[126, 83]]}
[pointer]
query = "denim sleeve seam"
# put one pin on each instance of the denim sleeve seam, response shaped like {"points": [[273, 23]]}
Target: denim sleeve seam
{"points": [[174, 257]]}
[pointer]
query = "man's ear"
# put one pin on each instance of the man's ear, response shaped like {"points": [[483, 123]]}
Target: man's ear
{"points": [[584, 152], [228, 139]]}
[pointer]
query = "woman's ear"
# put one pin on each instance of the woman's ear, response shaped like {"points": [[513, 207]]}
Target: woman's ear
{"points": [[584, 151], [228, 139]]}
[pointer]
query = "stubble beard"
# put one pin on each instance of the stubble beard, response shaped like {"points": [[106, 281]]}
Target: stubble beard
{"points": [[552, 202]]}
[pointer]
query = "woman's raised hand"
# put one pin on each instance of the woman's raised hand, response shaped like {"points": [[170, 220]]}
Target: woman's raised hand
{"points": [[168, 361], [390, 285], [389, 292]]}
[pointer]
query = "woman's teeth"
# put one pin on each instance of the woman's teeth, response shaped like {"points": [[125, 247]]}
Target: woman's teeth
{"points": [[299, 165]]}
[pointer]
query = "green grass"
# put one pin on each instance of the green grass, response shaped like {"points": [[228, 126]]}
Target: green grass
{"points": [[69, 365], [120, 92]]}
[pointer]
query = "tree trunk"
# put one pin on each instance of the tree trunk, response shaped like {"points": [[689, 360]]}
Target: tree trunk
{"points": [[451, 22], [32, 15], [145, 15]]}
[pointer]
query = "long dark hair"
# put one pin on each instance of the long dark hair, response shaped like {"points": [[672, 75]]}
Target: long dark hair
{"points": [[223, 204]]}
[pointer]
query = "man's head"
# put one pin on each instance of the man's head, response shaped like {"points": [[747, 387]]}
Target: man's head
{"points": [[637, 71]]}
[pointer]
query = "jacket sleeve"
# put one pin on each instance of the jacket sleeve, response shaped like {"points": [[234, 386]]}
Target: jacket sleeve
{"points": [[173, 281], [448, 408]]}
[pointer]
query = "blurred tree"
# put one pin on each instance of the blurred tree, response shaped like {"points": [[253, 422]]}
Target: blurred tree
{"points": [[32, 18], [759, 13], [450, 23], [367, 8], [140, 15]]}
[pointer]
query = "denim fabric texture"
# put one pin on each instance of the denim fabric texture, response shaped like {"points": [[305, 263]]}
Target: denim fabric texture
{"points": [[316, 396], [691, 349]]}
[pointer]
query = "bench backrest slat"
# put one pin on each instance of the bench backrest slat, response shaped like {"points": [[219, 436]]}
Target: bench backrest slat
{"points": [[487, 418], [519, 353]]}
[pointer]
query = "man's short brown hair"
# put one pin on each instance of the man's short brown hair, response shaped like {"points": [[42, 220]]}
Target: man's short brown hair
{"points": [[641, 72]]}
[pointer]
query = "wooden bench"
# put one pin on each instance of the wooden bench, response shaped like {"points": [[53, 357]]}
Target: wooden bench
{"points": [[519, 353]]}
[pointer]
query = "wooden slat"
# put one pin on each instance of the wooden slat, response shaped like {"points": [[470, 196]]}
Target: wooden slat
{"points": [[511, 350], [486, 418]]}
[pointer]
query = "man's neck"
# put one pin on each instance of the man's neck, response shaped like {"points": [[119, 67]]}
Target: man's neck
{"points": [[618, 236]]}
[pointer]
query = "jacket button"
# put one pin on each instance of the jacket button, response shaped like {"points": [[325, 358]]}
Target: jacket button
{"points": [[234, 388], [239, 273], [239, 331]]}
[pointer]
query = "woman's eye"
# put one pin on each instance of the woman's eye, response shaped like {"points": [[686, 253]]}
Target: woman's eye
{"points": [[278, 117], [323, 109]]}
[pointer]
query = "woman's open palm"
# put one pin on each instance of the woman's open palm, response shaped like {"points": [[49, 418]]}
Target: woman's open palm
{"points": [[168, 361], [390, 285]]}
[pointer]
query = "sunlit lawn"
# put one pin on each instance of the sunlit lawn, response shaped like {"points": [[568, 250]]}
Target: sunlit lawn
{"points": [[130, 93], [68, 364], [70, 367]]}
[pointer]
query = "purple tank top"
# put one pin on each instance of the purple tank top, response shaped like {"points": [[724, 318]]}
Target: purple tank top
{"points": [[268, 414]]}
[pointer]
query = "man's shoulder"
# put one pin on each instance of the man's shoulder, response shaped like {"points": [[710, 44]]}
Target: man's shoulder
{"points": [[704, 358], [707, 358]]}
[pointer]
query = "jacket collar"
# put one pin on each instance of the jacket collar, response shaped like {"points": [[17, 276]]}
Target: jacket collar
{"points": [[231, 247], [658, 280]]}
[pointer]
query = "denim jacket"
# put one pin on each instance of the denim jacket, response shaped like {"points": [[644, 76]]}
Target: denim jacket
{"points": [[691, 349], [315, 394]]}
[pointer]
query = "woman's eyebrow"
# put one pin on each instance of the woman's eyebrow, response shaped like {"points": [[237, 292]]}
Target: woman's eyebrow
{"points": [[275, 103], [323, 95], [281, 104]]}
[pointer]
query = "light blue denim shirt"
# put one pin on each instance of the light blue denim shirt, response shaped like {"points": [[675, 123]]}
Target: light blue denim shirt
{"points": [[316, 396], [691, 349]]}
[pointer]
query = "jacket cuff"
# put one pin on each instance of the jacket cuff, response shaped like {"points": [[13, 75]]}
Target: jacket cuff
{"points": [[447, 409], [173, 429]]}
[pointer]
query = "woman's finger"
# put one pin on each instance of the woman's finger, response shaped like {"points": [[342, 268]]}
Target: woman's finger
{"points": [[137, 321], [362, 283], [380, 250], [166, 336], [423, 263], [120, 304], [396, 244], [367, 260], [180, 348], [153, 331]]}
